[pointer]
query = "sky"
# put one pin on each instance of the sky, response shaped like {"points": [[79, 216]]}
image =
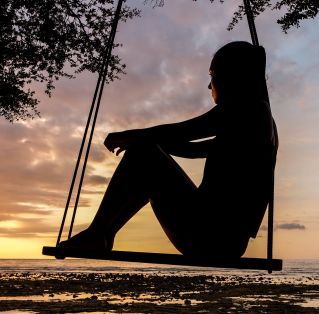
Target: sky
{"points": [[167, 52]]}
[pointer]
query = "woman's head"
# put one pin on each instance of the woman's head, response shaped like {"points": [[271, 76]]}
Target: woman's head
{"points": [[238, 70]]}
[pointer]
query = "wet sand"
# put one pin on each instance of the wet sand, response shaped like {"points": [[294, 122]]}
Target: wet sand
{"points": [[146, 293]]}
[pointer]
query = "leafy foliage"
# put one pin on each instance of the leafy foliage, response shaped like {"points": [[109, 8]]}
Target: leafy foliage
{"points": [[39, 39], [296, 10]]}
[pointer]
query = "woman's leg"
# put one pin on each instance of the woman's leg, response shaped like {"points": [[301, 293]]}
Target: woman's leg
{"points": [[145, 172]]}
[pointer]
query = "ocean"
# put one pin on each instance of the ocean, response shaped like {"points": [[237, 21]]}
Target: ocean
{"points": [[306, 271]]}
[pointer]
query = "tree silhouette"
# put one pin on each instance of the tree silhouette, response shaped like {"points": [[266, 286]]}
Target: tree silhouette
{"points": [[295, 10], [44, 40]]}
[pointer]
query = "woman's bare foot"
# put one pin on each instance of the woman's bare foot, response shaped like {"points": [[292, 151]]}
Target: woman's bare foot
{"points": [[88, 239]]}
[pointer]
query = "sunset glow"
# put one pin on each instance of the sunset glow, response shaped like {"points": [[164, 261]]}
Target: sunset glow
{"points": [[167, 57]]}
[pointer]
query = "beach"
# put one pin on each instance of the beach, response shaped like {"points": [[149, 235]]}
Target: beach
{"points": [[152, 289]]}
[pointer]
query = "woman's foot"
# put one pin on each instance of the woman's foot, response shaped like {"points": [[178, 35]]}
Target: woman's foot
{"points": [[88, 239]]}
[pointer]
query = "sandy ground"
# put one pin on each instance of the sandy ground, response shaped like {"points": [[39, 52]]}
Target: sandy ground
{"points": [[138, 293]]}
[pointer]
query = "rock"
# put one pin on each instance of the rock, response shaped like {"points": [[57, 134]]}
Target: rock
{"points": [[187, 302]]}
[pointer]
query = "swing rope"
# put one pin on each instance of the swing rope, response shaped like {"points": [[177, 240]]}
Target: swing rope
{"points": [[270, 230], [95, 104], [251, 22]]}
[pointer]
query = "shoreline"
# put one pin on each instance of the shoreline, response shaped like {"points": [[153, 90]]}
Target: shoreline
{"points": [[151, 293]]}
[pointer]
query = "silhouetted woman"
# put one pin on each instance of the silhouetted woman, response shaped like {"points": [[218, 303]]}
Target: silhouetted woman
{"points": [[239, 141]]}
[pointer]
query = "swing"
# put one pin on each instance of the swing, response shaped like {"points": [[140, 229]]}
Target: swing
{"points": [[267, 263]]}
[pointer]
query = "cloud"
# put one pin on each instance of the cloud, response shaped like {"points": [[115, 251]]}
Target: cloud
{"points": [[20, 227], [285, 226], [291, 226], [97, 180]]}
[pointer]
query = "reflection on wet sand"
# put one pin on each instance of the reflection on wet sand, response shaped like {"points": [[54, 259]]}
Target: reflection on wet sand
{"points": [[164, 293]]}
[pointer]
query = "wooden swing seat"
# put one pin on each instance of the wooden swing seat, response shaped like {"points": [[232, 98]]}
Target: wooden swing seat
{"points": [[160, 258]]}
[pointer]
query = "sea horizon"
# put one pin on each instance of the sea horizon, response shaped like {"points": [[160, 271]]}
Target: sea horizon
{"points": [[293, 269]]}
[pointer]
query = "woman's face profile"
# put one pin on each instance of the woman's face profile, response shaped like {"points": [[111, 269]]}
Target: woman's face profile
{"points": [[212, 87]]}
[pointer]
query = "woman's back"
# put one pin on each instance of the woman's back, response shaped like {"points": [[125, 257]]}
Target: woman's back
{"points": [[238, 169]]}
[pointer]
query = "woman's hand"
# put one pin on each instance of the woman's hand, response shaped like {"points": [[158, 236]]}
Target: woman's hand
{"points": [[120, 141]]}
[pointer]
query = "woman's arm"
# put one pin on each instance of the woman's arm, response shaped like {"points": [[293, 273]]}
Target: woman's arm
{"points": [[175, 134], [203, 126], [188, 149]]}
